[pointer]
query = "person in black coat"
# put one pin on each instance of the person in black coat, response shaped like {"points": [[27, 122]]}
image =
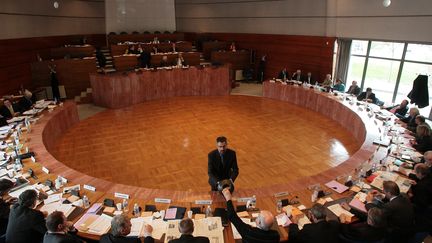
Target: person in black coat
{"points": [[398, 211], [222, 164], [372, 230], [410, 120], [120, 228], [5, 203], [283, 74], [399, 110], [100, 58], [54, 83], [367, 96], [60, 230], [354, 89], [186, 228], [249, 234], [8, 110], [25, 223], [319, 231], [26, 102], [145, 59], [297, 76]]}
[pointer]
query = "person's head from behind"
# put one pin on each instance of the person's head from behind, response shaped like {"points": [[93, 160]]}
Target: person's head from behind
{"points": [[28, 198], [298, 72], [414, 112], [420, 120], [56, 222], [423, 131], [390, 189], [428, 158], [317, 212], [5, 186], [421, 170], [221, 144], [186, 226], [338, 81], [264, 220], [376, 218], [369, 90], [120, 225]]}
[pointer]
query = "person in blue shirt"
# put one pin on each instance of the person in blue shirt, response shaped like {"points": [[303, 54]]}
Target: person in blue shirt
{"points": [[339, 86]]}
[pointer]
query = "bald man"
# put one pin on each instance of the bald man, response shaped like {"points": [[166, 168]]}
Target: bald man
{"points": [[264, 222]]}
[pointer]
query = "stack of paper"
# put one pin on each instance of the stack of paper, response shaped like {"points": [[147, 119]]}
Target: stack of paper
{"points": [[137, 228], [101, 225], [338, 210], [67, 209]]}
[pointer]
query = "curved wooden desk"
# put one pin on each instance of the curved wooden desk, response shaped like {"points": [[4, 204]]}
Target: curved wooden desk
{"points": [[50, 127], [122, 90]]}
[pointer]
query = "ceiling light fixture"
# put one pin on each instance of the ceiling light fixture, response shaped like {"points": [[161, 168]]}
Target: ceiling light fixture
{"points": [[386, 3]]}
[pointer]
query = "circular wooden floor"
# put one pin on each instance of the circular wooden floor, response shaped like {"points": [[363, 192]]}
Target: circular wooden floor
{"points": [[164, 143]]}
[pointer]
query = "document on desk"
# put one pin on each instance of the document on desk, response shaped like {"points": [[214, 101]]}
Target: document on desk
{"points": [[101, 225], [159, 228], [85, 221], [303, 221], [338, 210], [21, 190], [336, 186], [67, 209], [172, 230], [137, 227], [210, 227]]}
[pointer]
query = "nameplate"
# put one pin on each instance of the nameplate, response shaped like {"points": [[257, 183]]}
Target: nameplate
{"points": [[281, 194], [162, 200], [244, 199], [33, 159], [44, 169], [203, 202], [64, 180], [90, 188], [121, 195]]}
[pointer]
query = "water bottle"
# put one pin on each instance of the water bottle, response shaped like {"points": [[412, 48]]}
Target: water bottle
{"points": [[208, 211], [86, 202], [279, 206], [58, 182], [136, 210], [125, 205]]}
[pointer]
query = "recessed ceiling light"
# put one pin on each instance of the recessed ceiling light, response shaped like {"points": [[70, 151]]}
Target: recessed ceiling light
{"points": [[56, 4]]}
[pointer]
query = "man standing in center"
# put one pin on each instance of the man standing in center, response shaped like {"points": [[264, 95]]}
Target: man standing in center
{"points": [[222, 164]]}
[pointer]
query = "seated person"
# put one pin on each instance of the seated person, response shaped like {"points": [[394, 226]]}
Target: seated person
{"points": [[399, 110], [7, 110], [155, 40], [60, 230], [367, 96], [426, 159], [423, 141], [145, 59], [232, 47], [283, 74], [339, 86], [121, 227], [372, 230], [264, 222], [397, 209], [297, 76], [186, 228], [309, 78], [421, 196], [410, 120], [354, 89], [327, 83], [25, 223], [419, 120], [164, 62], [26, 102], [180, 60], [320, 230], [5, 203]]}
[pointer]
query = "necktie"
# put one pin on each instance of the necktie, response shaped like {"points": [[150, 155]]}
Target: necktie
{"points": [[222, 160]]}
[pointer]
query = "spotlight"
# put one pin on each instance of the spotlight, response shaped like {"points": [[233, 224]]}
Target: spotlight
{"points": [[56, 4], [386, 3]]}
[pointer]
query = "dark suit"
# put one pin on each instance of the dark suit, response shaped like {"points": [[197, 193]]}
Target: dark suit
{"points": [[4, 216], [25, 225], [24, 104], [249, 233], [109, 238], [423, 144], [5, 112], [400, 217], [354, 90], [220, 170], [364, 95], [297, 77], [61, 238], [362, 232], [283, 75], [191, 239], [323, 232], [410, 121], [309, 80]]}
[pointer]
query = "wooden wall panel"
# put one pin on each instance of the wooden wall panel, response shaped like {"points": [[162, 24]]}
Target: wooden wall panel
{"points": [[308, 53], [16, 56]]}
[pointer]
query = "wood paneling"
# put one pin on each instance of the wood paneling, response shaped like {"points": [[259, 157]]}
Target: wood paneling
{"points": [[72, 73], [72, 51], [308, 53], [238, 60], [16, 56], [114, 39], [122, 90], [209, 46]]}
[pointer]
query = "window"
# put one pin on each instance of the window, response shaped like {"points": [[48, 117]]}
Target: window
{"points": [[390, 68]]}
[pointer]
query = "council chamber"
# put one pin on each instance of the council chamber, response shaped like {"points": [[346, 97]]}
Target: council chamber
{"points": [[215, 121]]}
